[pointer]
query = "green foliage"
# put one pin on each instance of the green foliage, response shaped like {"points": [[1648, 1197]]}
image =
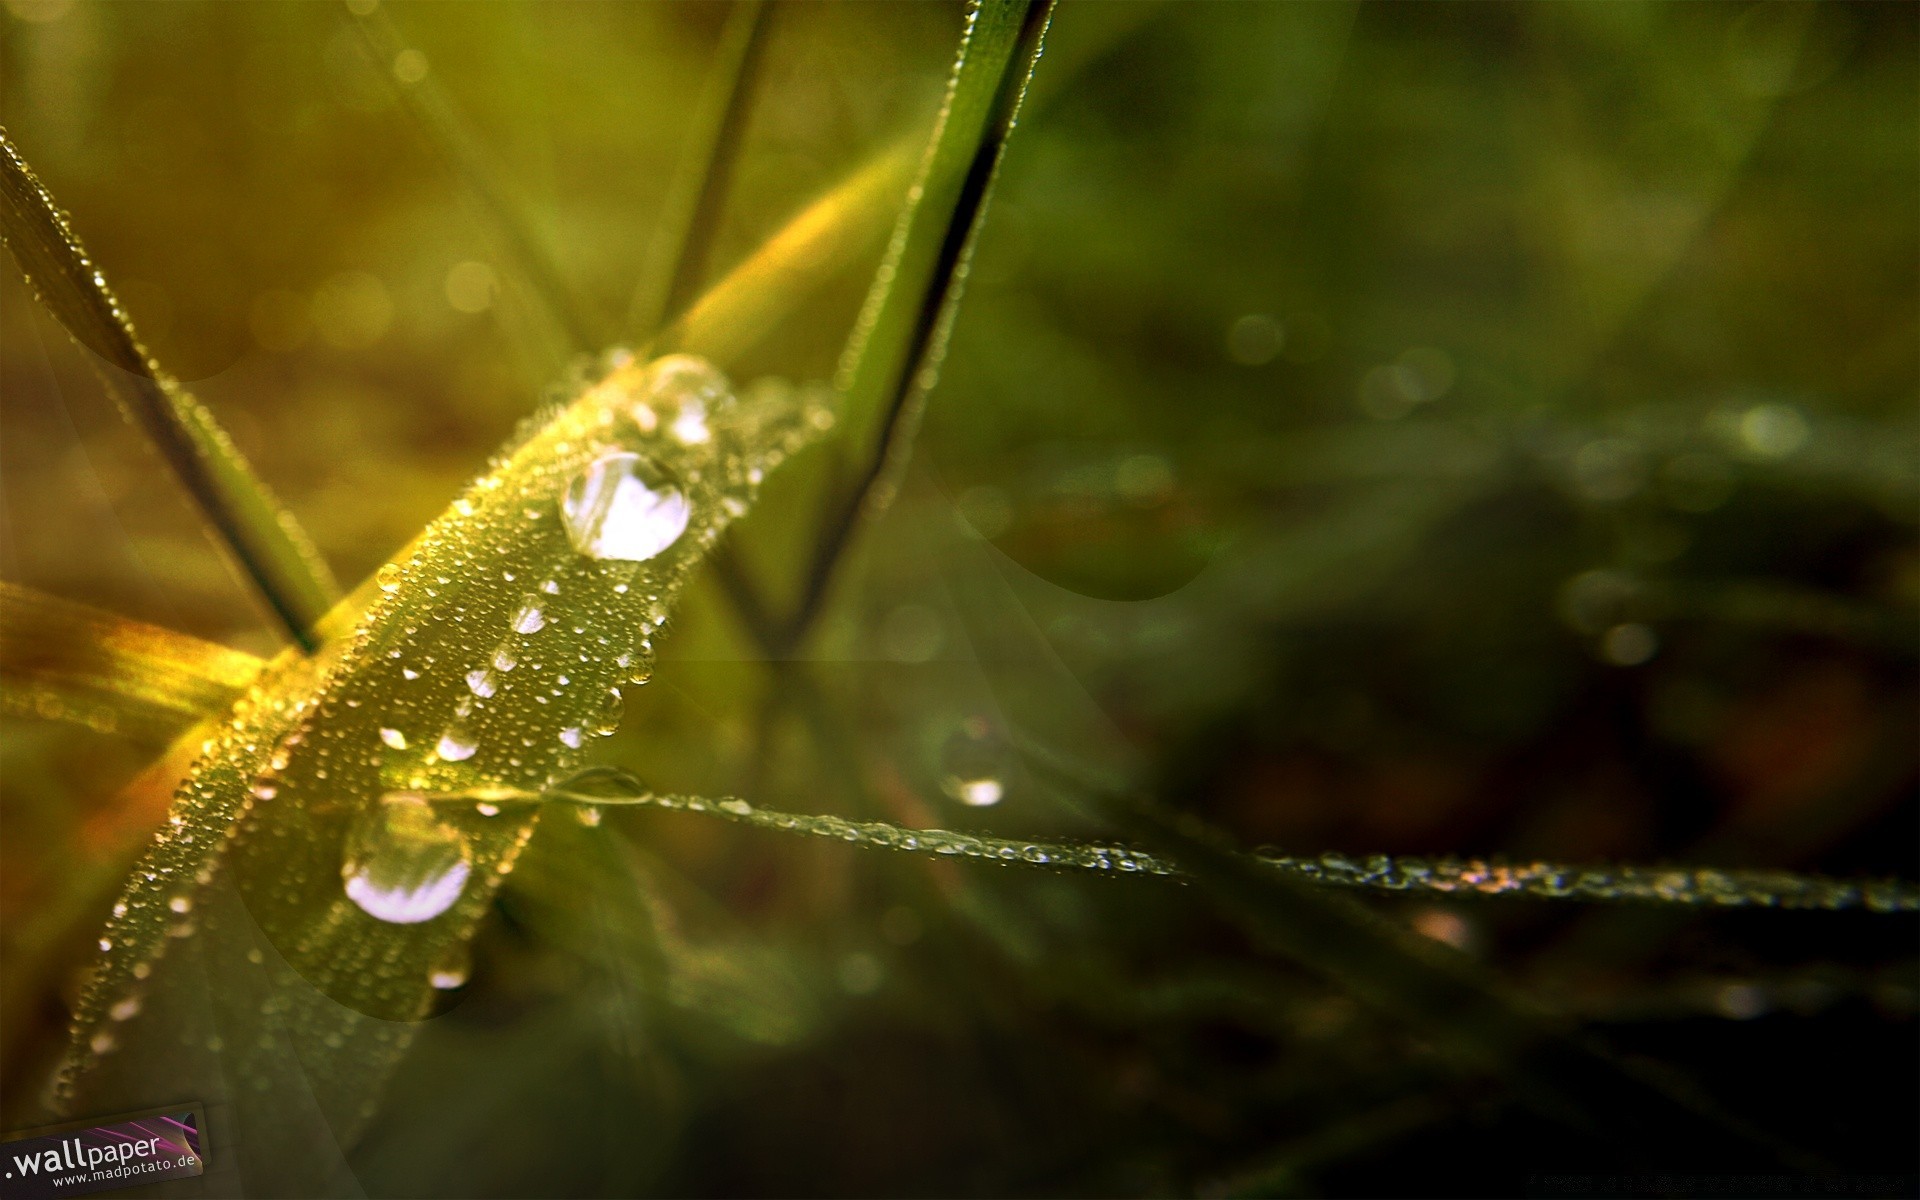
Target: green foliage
{"points": [[1386, 462]]}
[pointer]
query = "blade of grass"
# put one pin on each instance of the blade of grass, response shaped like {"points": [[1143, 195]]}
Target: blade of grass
{"points": [[263, 538], [453, 674], [684, 242], [1697, 887], [62, 660], [893, 355]]}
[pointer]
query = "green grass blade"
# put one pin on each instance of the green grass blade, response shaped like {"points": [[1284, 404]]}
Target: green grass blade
{"points": [[64, 661], [291, 869], [1686, 887], [893, 355], [262, 536], [684, 241]]}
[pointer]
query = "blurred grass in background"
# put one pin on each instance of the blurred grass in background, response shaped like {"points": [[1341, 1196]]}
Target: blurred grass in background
{"points": [[1469, 429]]}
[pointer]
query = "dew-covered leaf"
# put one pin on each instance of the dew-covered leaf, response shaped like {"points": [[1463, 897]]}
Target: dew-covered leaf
{"points": [[300, 872]]}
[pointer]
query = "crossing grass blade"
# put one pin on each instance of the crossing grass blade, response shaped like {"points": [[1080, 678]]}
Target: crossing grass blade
{"points": [[261, 535]]}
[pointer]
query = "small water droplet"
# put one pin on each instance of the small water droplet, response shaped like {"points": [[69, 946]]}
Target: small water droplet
{"points": [[503, 659], [388, 577], [403, 863], [529, 619], [588, 815], [571, 737], [102, 1042], [623, 506], [454, 746], [106, 944], [487, 810], [453, 969], [394, 738], [126, 1009], [409, 673], [551, 587], [265, 791], [481, 683], [181, 904], [605, 717], [974, 761]]}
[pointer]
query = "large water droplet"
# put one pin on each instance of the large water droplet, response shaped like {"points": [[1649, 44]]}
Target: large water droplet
{"points": [[394, 738], [624, 507], [404, 864], [455, 746]]}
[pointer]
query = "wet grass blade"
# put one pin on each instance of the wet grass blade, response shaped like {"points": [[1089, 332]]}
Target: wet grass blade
{"points": [[1684, 887], [894, 353], [263, 538], [64, 661], [300, 900]]}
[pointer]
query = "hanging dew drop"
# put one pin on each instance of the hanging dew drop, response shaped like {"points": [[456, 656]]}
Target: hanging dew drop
{"points": [[453, 970], [974, 764], [403, 864], [624, 507], [606, 715]]}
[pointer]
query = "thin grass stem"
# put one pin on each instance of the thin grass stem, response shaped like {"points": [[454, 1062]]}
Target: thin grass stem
{"points": [[262, 537]]}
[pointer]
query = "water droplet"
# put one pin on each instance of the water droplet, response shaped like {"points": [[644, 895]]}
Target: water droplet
{"points": [[487, 810], [588, 815], [404, 864], [529, 619], [388, 577], [106, 944], [503, 659], [102, 1042], [605, 717], [409, 673], [689, 427], [738, 808], [181, 904], [126, 1009], [624, 507], [454, 968], [481, 683], [265, 791], [394, 738], [571, 737], [551, 587], [454, 746], [974, 764]]}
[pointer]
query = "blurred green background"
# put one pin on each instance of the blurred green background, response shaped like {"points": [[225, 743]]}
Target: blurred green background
{"points": [[1471, 428]]}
